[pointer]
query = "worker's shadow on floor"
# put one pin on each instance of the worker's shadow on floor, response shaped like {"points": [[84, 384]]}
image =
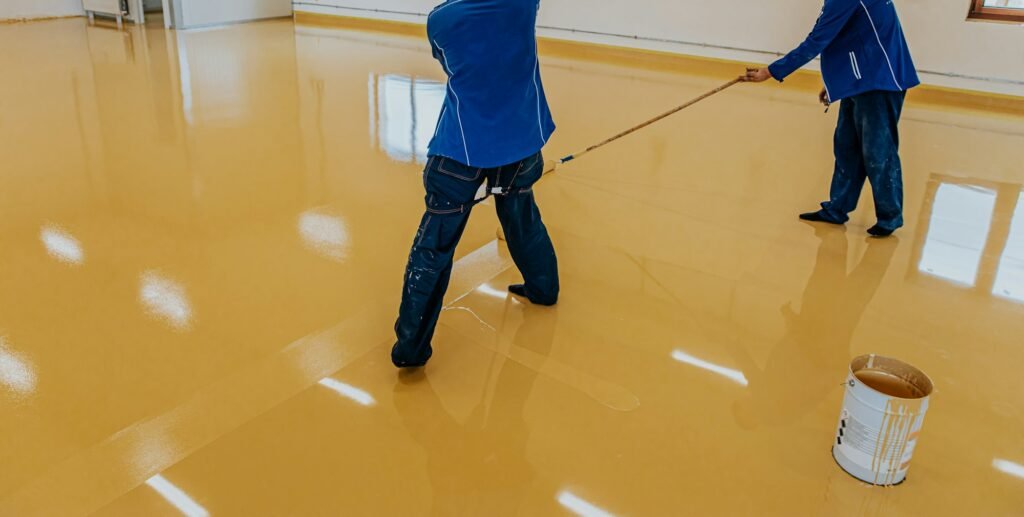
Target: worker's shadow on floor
{"points": [[812, 358], [480, 467]]}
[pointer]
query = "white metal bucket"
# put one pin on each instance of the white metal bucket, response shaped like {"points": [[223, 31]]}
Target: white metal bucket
{"points": [[883, 412]]}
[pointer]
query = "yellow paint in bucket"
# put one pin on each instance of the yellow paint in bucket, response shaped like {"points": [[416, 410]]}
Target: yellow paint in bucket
{"points": [[883, 412]]}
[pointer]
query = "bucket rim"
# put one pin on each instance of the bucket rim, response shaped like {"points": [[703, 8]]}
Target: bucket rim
{"points": [[868, 359]]}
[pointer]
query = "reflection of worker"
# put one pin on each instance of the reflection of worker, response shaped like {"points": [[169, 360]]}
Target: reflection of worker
{"points": [[866, 64], [480, 467], [810, 359], [494, 122]]}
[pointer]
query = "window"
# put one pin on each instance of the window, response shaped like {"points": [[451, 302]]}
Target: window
{"points": [[998, 10]]}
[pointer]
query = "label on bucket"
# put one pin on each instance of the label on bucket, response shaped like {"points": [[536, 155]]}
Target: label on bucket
{"points": [[867, 446], [877, 445]]}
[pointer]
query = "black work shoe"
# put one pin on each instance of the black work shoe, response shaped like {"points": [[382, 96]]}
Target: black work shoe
{"points": [[817, 217], [520, 290], [878, 231], [400, 362]]}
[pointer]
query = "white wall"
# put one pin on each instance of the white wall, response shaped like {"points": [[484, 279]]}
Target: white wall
{"points": [[947, 49], [198, 13], [26, 9]]}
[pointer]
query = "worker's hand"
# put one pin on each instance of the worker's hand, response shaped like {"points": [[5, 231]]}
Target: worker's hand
{"points": [[756, 75], [823, 97]]}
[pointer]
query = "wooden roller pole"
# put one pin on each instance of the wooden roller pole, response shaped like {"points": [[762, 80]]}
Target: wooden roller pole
{"points": [[552, 166]]}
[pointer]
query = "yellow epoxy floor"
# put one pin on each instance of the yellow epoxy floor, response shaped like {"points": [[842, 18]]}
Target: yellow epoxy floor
{"points": [[203, 236]]}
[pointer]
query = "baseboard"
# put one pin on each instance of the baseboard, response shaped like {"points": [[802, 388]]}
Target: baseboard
{"points": [[8, 21]]}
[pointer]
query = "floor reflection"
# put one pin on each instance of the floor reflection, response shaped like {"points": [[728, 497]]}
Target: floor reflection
{"points": [[972, 235], [803, 367], [324, 233], [492, 443], [61, 245], [404, 114], [1009, 282], [16, 374], [165, 299]]}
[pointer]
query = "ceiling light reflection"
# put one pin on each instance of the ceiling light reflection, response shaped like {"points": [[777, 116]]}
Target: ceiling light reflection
{"points": [[325, 234], [733, 375], [177, 497], [348, 391], [580, 506], [61, 245], [1009, 467], [166, 299], [16, 373]]}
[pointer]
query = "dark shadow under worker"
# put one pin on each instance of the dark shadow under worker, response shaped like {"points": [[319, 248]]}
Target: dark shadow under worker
{"points": [[865, 63], [493, 124]]}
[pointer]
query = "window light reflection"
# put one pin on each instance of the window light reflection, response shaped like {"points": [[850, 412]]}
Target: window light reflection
{"points": [[960, 223], [407, 111], [1009, 281]]}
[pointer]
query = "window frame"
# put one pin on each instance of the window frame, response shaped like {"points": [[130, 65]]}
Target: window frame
{"points": [[979, 11]]}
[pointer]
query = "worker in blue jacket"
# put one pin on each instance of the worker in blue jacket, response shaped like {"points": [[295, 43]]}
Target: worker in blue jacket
{"points": [[493, 124], [865, 63]]}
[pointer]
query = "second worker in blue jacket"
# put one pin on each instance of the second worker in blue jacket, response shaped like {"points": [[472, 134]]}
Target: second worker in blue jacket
{"points": [[494, 122], [866, 64]]}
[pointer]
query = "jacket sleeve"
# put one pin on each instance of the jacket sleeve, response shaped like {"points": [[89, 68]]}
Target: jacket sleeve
{"points": [[436, 52], [833, 18]]}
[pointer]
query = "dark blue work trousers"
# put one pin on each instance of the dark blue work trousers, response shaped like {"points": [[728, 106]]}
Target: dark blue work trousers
{"points": [[867, 142], [451, 188]]}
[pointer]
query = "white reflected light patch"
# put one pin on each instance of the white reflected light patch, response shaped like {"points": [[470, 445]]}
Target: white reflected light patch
{"points": [[15, 372], [177, 497], [166, 299], [733, 375], [579, 506], [1009, 281], [490, 291], [185, 77], [61, 245], [959, 226], [348, 391], [408, 109], [1009, 467], [325, 234]]}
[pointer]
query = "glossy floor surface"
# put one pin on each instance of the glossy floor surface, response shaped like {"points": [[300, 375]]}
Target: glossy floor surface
{"points": [[203, 239]]}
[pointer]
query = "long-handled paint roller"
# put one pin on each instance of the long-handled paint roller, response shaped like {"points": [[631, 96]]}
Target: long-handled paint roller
{"points": [[636, 128], [553, 166]]}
